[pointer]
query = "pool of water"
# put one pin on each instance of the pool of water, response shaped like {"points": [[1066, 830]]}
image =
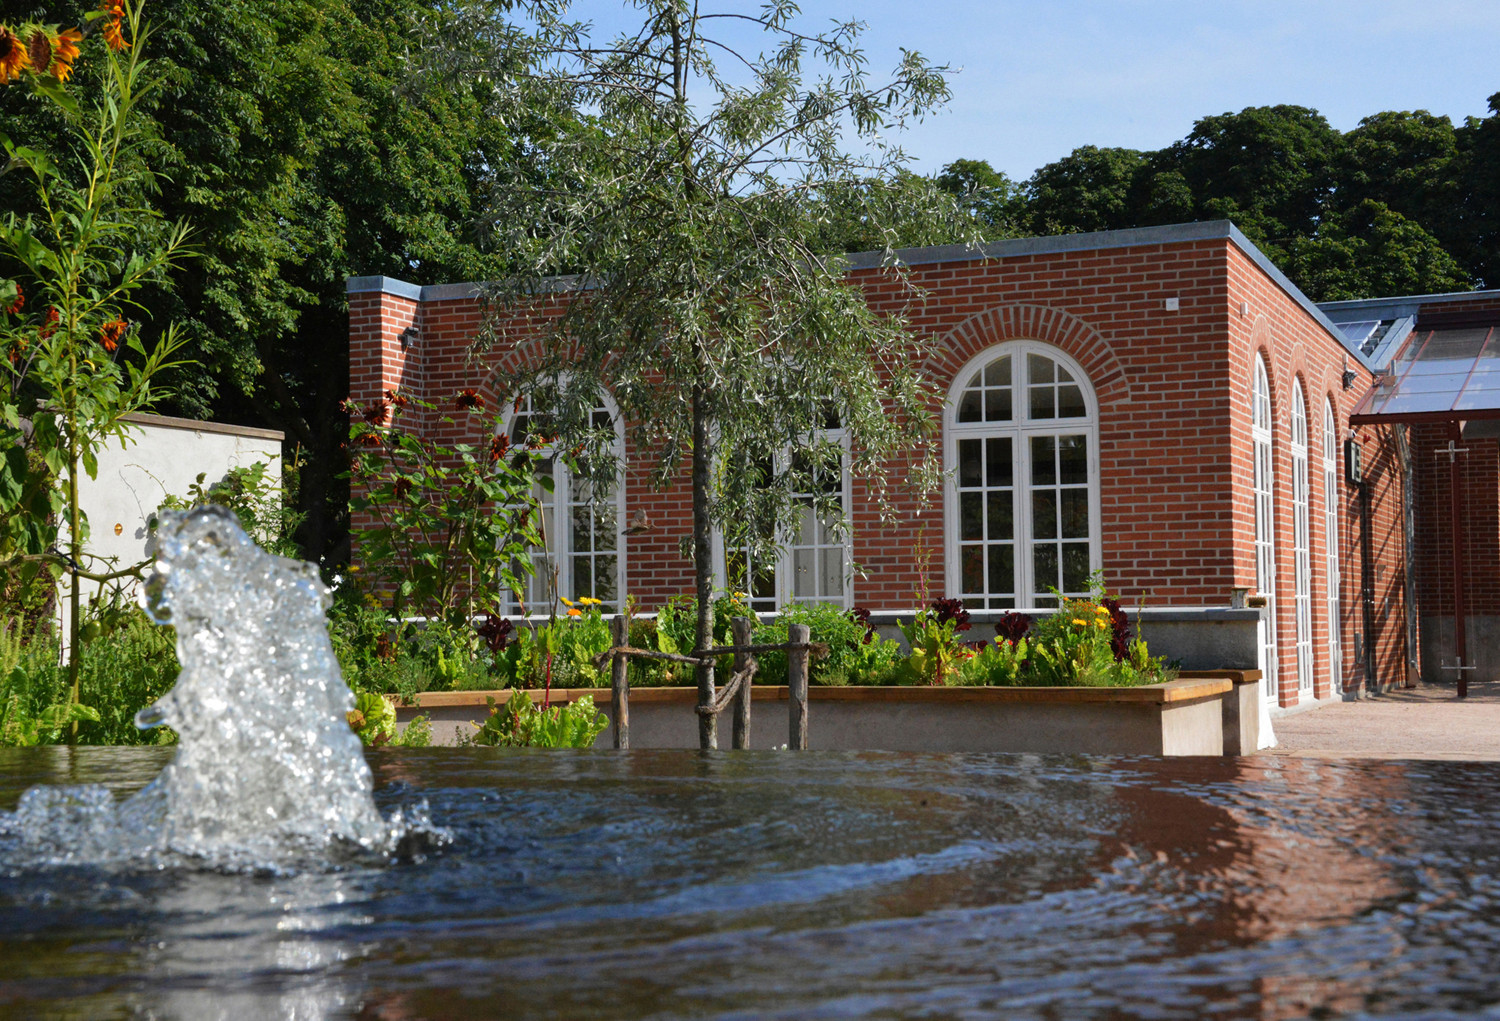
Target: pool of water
{"points": [[817, 885]]}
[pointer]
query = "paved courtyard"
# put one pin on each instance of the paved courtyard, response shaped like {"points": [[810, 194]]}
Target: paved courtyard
{"points": [[1426, 722]]}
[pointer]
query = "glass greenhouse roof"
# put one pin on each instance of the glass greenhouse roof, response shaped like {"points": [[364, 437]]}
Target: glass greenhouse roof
{"points": [[1440, 375]]}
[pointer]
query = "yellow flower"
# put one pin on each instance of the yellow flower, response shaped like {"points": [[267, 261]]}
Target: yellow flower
{"points": [[589, 601], [1082, 623], [13, 56], [567, 601], [64, 52], [1102, 611], [1098, 623], [114, 12]]}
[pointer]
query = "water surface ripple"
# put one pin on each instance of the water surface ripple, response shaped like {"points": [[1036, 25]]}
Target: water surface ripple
{"points": [[817, 885]]}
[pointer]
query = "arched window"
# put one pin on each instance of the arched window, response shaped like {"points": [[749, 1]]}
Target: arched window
{"points": [[1301, 543], [581, 524], [1331, 545], [815, 562], [1021, 445], [1265, 528]]}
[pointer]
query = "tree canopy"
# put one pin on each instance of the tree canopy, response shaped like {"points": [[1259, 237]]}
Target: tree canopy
{"points": [[699, 192]]}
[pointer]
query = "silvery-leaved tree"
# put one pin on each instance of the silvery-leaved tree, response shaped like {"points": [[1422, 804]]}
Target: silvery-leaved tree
{"points": [[684, 193]]}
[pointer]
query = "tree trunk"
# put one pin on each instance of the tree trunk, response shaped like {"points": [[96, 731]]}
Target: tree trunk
{"points": [[75, 554], [708, 726]]}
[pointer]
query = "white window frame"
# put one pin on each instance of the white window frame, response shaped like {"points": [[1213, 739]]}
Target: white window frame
{"points": [[1333, 572], [1020, 429], [1264, 498], [1301, 542], [558, 550], [785, 571]]}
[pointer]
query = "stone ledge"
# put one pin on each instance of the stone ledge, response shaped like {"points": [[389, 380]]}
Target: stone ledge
{"points": [[1209, 685]]}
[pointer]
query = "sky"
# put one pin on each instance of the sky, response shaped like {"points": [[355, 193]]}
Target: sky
{"points": [[1038, 78]]}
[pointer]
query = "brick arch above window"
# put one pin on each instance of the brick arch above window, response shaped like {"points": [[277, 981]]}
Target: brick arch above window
{"points": [[1074, 336]]}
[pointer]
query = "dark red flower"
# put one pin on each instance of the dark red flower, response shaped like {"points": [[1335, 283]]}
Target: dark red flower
{"points": [[349, 407], [860, 615], [498, 446], [1119, 637], [951, 609], [496, 632], [376, 415], [370, 439], [49, 325], [18, 304], [1013, 626], [401, 487], [469, 400], [111, 333], [397, 398]]}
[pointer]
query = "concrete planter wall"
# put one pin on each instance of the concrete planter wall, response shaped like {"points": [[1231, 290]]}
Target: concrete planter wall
{"points": [[1188, 716]]}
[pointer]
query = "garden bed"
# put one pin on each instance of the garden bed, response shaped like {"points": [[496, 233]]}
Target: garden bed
{"points": [[1181, 717]]}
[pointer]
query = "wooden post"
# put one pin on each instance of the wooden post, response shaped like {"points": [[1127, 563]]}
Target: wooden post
{"points": [[740, 628], [619, 681], [796, 680]]}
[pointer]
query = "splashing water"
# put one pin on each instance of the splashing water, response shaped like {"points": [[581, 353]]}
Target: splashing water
{"points": [[268, 774]]}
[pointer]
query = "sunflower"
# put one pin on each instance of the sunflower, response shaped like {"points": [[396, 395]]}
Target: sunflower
{"points": [[114, 13], [111, 333], [39, 49], [13, 55], [64, 52]]}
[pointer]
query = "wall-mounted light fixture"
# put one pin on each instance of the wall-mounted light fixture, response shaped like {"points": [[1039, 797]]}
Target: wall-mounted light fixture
{"points": [[1349, 374], [408, 337]]}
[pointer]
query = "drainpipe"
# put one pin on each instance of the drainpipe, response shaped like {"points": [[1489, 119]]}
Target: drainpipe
{"points": [[1367, 587], [1409, 542], [1456, 521]]}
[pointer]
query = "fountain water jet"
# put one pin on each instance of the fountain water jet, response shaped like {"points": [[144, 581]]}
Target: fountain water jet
{"points": [[267, 773]]}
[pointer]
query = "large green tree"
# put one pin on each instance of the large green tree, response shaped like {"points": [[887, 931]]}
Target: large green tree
{"points": [[711, 312], [305, 146]]}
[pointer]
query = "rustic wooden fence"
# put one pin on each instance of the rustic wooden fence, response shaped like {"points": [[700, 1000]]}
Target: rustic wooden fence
{"points": [[735, 692]]}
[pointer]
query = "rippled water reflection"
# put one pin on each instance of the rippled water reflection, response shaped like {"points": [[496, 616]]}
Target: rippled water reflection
{"points": [[672, 884]]}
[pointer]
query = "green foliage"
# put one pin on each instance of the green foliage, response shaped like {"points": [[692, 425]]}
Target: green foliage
{"points": [[73, 261], [1372, 250], [1073, 648], [264, 507], [452, 524], [856, 654], [520, 723], [935, 649], [129, 662], [714, 317], [373, 718], [30, 713], [998, 663]]}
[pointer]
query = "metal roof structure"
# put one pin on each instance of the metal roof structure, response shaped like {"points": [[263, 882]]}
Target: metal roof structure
{"points": [[1439, 375]]}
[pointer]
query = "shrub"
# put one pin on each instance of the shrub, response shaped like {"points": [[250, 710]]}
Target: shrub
{"points": [[856, 653], [520, 723]]}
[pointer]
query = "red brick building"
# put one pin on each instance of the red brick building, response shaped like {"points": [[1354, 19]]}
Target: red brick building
{"points": [[1161, 403]]}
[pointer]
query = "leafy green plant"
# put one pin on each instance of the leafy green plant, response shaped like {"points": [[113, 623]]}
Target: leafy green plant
{"points": [[73, 366], [452, 524], [32, 714], [856, 652], [262, 504], [1000, 663], [373, 718], [936, 650], [520, 723]]}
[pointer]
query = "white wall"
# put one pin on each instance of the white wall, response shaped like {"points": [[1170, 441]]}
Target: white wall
{"points": [[163, 456]]}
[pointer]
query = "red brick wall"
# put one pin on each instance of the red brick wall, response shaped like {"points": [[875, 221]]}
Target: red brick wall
{"points": [[1174, 427]]}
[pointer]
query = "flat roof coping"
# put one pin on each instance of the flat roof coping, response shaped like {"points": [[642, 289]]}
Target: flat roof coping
{"points": [[1135, 237]]}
